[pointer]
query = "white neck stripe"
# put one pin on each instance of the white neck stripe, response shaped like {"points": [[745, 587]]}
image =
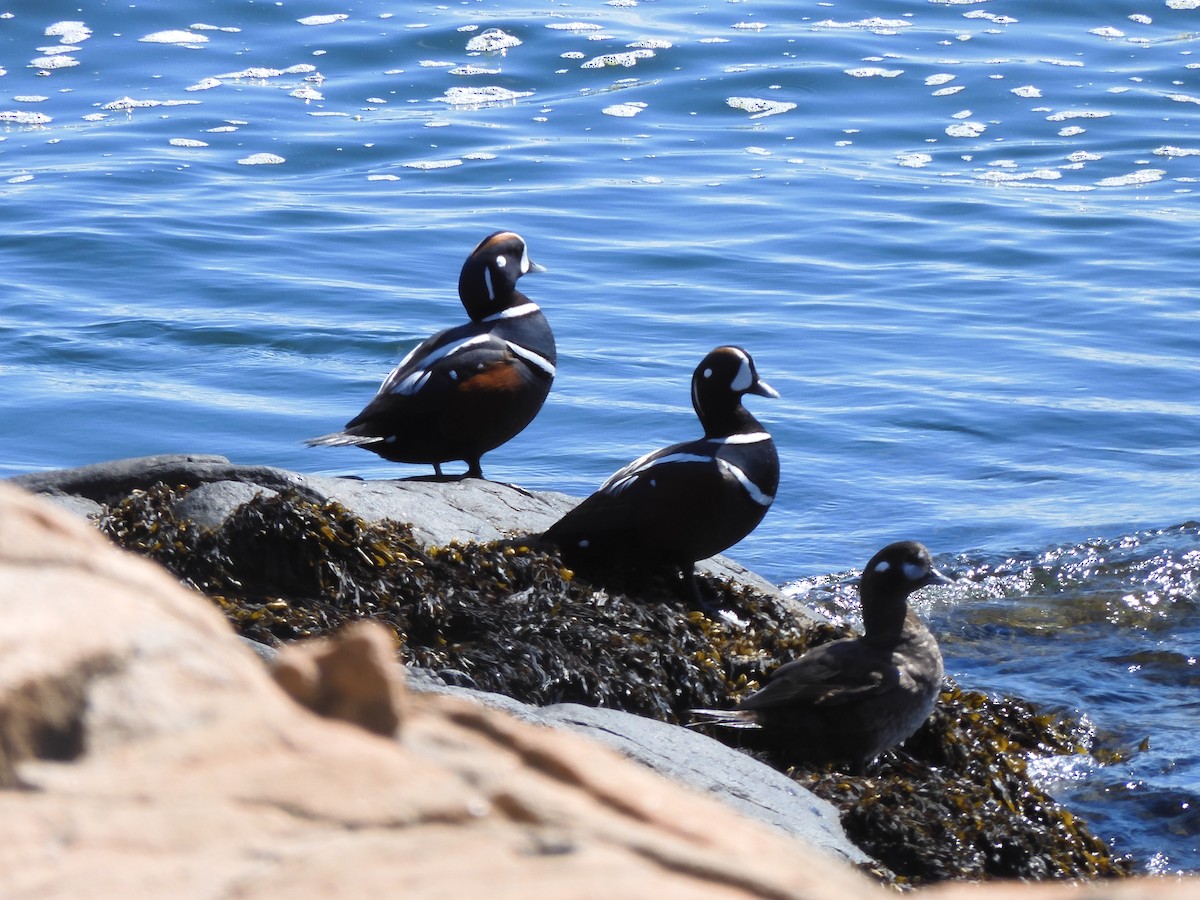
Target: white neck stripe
{"points": [[513, 312], [751, 438]]}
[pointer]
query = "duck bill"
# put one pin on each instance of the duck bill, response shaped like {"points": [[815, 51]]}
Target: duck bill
{"points": [[535, 267], [936, 577], [762, 389]]}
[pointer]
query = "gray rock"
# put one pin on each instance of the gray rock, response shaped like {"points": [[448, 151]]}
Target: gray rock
{"points": [[687, 757], [209, 505], [80, 506]]}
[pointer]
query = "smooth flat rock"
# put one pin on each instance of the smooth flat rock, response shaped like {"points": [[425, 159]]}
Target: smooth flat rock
{"points": [[688, 757]]}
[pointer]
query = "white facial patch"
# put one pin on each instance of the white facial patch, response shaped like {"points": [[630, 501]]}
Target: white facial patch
{"points": [[882, 566], [707, 373], [744, 380], [525, 264], [501, 261], [487, 280], [914, 571]]}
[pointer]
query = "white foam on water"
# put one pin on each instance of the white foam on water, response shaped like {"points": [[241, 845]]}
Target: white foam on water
{"points": [[1068, 114], [874, 24], [966, 129], [22, 117], [758, 107], [58, 61], [475, 97], [182, 38], [1142, 176], [1175, 152], [873, 72], [323, 20], [627, 60], [493, 41], [624, 110], [426, 165], [69, 32], [261, 159], [475, 70], [576, 27]]}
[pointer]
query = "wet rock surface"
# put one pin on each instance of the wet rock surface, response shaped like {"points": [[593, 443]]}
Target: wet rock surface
{"points": [[305, 556]]}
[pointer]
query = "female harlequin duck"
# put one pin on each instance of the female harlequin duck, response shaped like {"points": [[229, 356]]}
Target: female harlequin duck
{"points": [[688, 501], [468, 389], [848, 701]]}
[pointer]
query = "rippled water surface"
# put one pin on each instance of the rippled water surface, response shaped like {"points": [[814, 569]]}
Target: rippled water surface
{"points": [[959, 238]]}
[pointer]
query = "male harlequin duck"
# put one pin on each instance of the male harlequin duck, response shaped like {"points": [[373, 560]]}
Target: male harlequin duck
{"points": [[688, 501], [468, 389], [851, 700]]}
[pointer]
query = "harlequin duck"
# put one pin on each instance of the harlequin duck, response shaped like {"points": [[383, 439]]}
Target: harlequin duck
{"points": [[851, 700], [466, 390], [688, 501]]}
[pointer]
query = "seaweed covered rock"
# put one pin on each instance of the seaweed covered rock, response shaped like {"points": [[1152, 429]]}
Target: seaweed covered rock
{"points": [[502, 618], [956, 801]]}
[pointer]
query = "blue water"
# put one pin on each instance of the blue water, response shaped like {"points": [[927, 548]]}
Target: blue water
{"points": [[959, 238]]}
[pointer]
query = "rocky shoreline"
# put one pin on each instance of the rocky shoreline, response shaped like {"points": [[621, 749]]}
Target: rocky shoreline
{"points": [[336, 555]]}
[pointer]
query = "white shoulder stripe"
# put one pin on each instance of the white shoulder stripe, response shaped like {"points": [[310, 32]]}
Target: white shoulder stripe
{"points": [[535, 359], [644, 467], [414, 381], [628, 475], [755, 492]]}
